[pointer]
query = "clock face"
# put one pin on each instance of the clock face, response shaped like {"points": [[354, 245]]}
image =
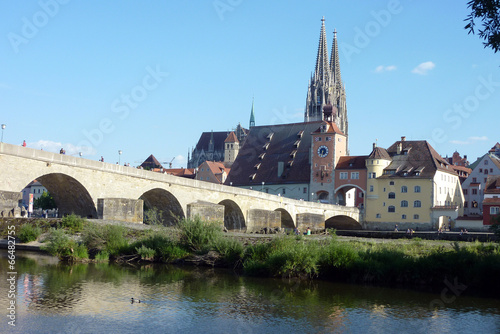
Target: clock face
{"points": [[322, 151]]}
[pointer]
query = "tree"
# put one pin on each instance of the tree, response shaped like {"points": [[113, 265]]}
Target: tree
{"points": [[44, 202], [487, 12]]}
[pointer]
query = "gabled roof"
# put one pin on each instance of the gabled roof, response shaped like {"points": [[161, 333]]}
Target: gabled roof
{"points": [[182, 172], [217, 169], [151, 163], [270, 146], [416, 159], [352, 162], [492, 185]]}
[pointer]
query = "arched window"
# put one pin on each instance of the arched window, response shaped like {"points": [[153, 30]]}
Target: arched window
{"points": [[404, 189], [392, 195], [417, 204], [416, 189], [391, 183], [391, 208], [404, 204]]}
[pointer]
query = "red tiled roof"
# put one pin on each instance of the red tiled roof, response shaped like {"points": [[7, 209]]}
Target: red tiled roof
{"points": [[352, 162], [492, 185], [491, 201], [231, 138]]}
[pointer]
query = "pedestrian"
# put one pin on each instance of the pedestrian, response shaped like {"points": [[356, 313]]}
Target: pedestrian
{"points": [[24, 143], [396, 228]]}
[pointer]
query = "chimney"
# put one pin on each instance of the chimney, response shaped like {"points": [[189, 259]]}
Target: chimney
{"points": [[399, 148], [374, 145], [403, 138]]}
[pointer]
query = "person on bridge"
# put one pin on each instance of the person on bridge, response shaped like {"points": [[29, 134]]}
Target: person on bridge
{"points": [[24, 143]]}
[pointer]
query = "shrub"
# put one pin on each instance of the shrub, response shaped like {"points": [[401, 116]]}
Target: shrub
{"points": [[199, 236], [73, 222], [153, 217], [146, 253], [102, 256], [59, 243], [231, 250], [105, 237], [29, 232]]}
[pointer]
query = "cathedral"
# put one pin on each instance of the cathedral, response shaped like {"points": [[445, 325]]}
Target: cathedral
{"points": [[325, 85]]}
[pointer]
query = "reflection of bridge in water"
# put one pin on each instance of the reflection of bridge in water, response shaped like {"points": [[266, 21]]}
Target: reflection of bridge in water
{"points": [[102, 190]]}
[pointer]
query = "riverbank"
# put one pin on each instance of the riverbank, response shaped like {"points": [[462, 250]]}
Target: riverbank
{"points": [[412, 262]]}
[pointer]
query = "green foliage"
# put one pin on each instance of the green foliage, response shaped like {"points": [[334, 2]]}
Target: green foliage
{"points": [[102, 256], [487, 12], [153, 216], [105, 237], [45, 202], [230, 249], [146, 253], [60, 244], [284, 256], [199, 236], [29, 232], [73, 222]]}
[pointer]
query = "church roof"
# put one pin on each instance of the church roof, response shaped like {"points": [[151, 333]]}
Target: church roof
{"points": [[231, 138], [151, 162], [269, 148]]}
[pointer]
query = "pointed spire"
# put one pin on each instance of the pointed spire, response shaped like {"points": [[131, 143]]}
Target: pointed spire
{"points": [[334, 61], [252, 117], [322, 71]]}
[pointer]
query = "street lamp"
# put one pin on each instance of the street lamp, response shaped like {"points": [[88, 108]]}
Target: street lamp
{"points": [[3, 127], [119, 155], [262, 189], [312, 197], [80, 154]]}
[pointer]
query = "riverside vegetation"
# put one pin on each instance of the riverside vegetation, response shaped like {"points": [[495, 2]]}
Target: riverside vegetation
{"points": [[471, 266]]}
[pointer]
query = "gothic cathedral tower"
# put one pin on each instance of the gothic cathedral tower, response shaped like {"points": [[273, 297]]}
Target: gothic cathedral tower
{"points": [[325, 85]]}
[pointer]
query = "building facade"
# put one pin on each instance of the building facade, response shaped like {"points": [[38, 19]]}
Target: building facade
{"points": [[411, 186]]}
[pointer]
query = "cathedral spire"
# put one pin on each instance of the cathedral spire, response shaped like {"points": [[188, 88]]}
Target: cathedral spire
{"points": [[322, 70], [252, 117], [334, 61]]}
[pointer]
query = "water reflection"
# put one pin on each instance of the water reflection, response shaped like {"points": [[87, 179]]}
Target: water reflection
{"points": [[88, 298]]}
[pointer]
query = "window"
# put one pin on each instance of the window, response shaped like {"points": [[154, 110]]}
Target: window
{"points": [[465, 191], [378, 215], [480, 170], [392, 195], [403, 216], [491, 170], [372, 175], [328, 138], [391, 208], [404, 189], [416, 217], [371, 189], [355, 175], [474, 180], [284, 191], [343, 175], [416, 189], [474, 191], [201, 178], [391, 183], [304, 190], [417, 204], [466, 204], [494, 210], [485, 162], [404, 204]]}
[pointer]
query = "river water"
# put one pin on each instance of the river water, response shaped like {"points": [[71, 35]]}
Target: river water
{"points": [[52, 297]]}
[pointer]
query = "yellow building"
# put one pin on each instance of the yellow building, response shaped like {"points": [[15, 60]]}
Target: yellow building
{"points": [[412, 186]]}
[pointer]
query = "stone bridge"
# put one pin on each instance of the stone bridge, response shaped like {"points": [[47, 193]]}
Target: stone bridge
{"points": [[101, 190]]}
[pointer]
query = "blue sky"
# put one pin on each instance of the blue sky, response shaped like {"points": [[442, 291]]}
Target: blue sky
{"points": [[149, 77]]}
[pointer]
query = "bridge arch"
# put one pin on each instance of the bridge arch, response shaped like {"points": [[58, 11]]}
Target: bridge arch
{"points": [[165, 202], [69, 194], [286, 219], [233, 216], [342, 222], [343, 193]]}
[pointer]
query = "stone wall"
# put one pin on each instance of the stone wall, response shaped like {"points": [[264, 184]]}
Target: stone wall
{"points": [[124, 209]]}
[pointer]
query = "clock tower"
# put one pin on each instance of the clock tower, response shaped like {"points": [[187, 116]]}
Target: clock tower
{"points": [[328, 144]]}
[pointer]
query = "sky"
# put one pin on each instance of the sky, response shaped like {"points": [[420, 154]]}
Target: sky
{"points": [[99, 77]]}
